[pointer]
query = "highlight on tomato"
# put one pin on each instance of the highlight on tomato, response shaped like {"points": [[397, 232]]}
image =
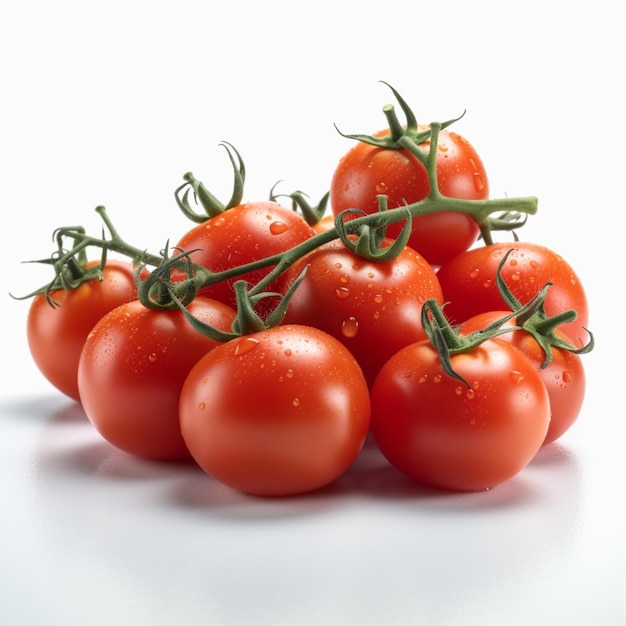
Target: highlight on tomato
{"points": [[459, 413], [60, 319], [132, 368], [279, 412], [381, 165]]}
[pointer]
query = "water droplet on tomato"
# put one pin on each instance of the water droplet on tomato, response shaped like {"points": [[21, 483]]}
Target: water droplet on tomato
{"points": [[288, 352], [534, 264], [342, 292], [516, 377], [296, 402], [278, 228], [516, 276], [338, 265], [567, 377], [437, 378], [350, 327], [479, 182], [245, 344], [378, 298], [442, 147], [202, 406], [152, 357], [513, 262], [487, 283], [345, 279], [381, 188], [458, 391], [469, 394], [289, 373], [474, 273]]}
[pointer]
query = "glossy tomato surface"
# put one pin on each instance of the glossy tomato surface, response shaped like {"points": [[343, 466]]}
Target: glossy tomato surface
{"points": [[367, 171], [446, 434], [56, 334], [374, 308], [564, 376], [131, 371], [469, 283], [276, 413], [241, 235]]}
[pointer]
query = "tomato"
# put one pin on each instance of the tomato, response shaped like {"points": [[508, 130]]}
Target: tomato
{"points": [[279, 412], [469, 283], [326, 223], [243, 234], [373, 308], [132, 368], [442, 433], [56, 334], [564, 376], [366, 171]]}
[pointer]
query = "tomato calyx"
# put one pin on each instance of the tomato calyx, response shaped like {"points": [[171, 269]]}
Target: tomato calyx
{"points": [[447, 341], [311, 213], [203, 197], [537, 323]]}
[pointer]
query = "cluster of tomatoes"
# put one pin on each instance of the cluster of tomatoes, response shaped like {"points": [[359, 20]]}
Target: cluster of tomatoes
{"points": [[273, 341]]}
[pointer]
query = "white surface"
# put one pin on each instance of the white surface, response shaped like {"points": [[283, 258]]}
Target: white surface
{"points": [[111, 103]]}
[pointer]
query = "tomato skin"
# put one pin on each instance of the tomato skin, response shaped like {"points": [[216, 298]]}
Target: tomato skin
{"points": [[469, 284], [240, 235], [131, 371], [564, 377], [441, 433], [56, 334], [366, 171], [276, 413], [373, 308]]}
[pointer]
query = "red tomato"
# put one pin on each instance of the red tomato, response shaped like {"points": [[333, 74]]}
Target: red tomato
{"points": [[469, 283], [279, 412], [564, 376], [326, 223], [132, 368], [56, 334], [240, 235], [441, 433], [367, 171], [373, 308]]}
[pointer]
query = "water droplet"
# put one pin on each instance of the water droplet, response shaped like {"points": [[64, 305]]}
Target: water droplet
{"points": [[296, 402], [152, 357], [516, 377], [381, 188], [516, 276], [487, 283], [278, 228], [567, 377], [479, 182], [513, 262], [437, 378], [350, 327], [378, 298], [376, 315], [289, 373], [245, 344], [202, 406], [442, 147], [422, 379], [345, 187], [338, 265], [345, 279], [474, 273], [370, 275], [534, 264], [469, 394], [342, 292], [288, 352], [458, 391]]}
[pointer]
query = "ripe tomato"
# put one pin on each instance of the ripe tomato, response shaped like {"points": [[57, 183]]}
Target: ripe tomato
{"points": [[131, 370], [442, 433], [564, 376], [56, 334], [373, 308], [367, 171], [469, 283], [279, 412], [243, 234]]}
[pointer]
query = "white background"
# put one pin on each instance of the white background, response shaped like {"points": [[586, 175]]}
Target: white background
{"points": [[110, 103]]}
